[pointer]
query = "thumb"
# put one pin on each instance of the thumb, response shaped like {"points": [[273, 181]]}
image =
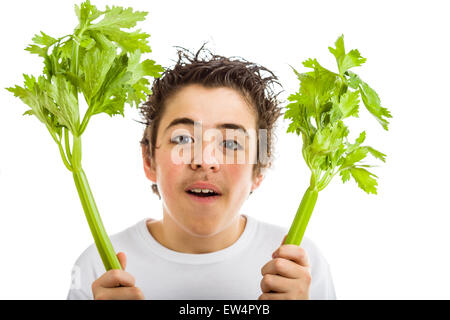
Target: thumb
{"points": [[122, 259]]}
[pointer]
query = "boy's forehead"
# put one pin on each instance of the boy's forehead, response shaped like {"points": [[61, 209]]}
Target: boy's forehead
{"points": [[209, 107]]}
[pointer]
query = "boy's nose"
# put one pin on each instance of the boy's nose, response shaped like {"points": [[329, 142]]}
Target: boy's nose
{"points": [[206, 157]]}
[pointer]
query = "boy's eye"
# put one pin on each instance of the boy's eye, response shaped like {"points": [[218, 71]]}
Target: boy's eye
{"points": [[229, 144], [232, 144], [183, 138]]}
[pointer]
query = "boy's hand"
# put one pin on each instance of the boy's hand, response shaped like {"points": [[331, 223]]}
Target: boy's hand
{"points": [[116, 284], [287, 276]]}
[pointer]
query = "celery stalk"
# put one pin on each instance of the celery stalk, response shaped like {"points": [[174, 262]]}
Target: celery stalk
{"points": [[101, 239], [317, 112], [102, 61], [104, 246], [301, 219]]}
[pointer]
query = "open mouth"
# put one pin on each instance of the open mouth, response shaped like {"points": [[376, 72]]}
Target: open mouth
{"points": [[203, 198], [203, 194]]}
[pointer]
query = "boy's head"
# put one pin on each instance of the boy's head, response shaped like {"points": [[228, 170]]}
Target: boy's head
{"points": [[205, 94]]}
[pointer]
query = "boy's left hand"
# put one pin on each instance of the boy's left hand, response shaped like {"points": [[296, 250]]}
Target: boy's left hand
{"points": [[287, 276]]}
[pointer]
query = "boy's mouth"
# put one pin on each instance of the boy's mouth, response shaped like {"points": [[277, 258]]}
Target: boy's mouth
{"points": [[203, 189], [203, 194], [203, 197]]}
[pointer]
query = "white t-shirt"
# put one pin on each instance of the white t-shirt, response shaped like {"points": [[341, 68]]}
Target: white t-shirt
{"points": [[230, 273]]}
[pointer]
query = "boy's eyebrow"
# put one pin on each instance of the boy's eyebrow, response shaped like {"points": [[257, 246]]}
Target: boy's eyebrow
{"points": [[189, 121]]}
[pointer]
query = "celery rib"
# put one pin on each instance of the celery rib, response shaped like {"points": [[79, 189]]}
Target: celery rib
{"points": [[301, 219], [104, 246]]}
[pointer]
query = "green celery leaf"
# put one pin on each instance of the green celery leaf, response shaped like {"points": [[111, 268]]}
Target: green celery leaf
{"points": [[87, 42], [314, 64], [116, 18], [293, 113], [354, 80], [329, 138], [356, 155], [111, 96], [299, 117], [346, 61], [41, 44], [377, 154], [358, 142], [370, 99], [365, 179], [30, 98], [86, 13], [44, 40], [345, 175], [96, 64], [33, 95], [315, 90], [373, 104], [139, 70], [129, 41], [361, 138], [34, 49], [138, 92], [347, 106], [326, 98], [65, 107]]}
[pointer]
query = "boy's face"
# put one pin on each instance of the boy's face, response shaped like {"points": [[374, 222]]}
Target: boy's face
{"points": [[204, 152]]}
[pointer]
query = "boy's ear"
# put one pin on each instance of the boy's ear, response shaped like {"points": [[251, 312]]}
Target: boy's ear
{"points": [[149, 169], [257, 181]]}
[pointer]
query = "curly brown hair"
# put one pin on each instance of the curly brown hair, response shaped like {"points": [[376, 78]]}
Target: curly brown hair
{"points": [[212, 72]]}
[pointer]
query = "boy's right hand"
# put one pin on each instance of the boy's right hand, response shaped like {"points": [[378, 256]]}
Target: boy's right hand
{"points": [[116, 284]]}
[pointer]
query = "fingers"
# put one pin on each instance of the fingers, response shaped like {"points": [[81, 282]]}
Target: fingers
{"points": [[276, 283], [284, 268], [292, 252], [122, 293], [287, 276], [276, 287], [114, 278], [117, 284], [122, 259]]}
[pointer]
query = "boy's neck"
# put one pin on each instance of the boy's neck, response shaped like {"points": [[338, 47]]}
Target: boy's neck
{"points": [[169, 235]]}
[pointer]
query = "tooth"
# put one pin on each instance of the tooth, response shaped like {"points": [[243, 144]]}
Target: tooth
{"points": [[202, 190]]}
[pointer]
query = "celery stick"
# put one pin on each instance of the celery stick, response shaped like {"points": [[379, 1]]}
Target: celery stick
{"points": [[102, 61], [317, 112]]}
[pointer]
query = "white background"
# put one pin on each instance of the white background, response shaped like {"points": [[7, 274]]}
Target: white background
{"points": [[394, 245]]}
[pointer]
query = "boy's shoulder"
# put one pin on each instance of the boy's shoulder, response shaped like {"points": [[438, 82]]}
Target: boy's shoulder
{"points": [[121, 241]]}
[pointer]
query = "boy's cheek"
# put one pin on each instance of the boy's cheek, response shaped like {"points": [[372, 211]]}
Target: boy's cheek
{"points": [[239, 176], [169, 175]]}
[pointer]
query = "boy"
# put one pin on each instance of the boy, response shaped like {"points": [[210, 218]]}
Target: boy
{"points": [[206, 146]]}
